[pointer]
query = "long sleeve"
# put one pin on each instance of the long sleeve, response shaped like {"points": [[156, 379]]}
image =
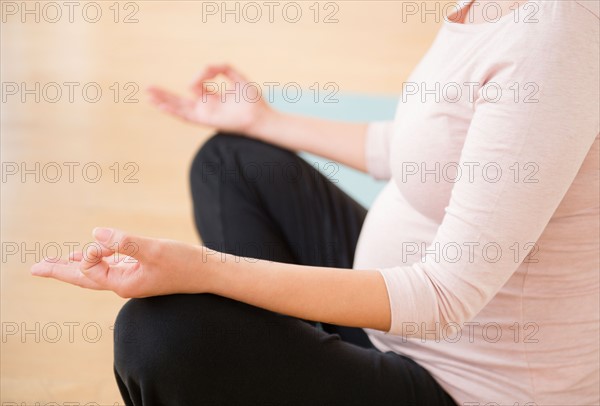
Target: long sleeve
{"points": [[524, 157], [377, 148]]}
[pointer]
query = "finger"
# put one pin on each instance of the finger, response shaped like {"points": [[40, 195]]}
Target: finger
{"points": [[158, 92], [93, 255], [198, 85], [69, 273], [172, 103], [97, 272], [234, 75], [159, 96], [76, 256], [56, 260], [182, 110], [209, 72], [111, 243], [118, 241], [123, 259]]}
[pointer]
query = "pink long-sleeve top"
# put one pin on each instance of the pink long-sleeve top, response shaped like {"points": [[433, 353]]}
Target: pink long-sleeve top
{"points": [[487, 233]]}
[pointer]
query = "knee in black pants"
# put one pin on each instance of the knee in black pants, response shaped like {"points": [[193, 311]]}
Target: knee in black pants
{"points": [[225, 151], [228, 159], [207, 161], [146, 335], [228, 177], [205, 183], [206, 165], [165, 343], [199, 349]]}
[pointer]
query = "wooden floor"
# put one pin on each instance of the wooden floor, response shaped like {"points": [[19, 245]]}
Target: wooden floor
{"points": [[57, 339]]}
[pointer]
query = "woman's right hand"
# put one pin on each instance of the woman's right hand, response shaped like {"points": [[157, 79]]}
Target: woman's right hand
{"points": [[243, 112]]}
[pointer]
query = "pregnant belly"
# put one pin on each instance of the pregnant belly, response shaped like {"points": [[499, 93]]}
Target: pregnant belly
{"points": [[394, 232]]}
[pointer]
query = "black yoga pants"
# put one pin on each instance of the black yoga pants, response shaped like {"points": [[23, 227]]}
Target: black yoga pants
{"points": [[256, 200]]}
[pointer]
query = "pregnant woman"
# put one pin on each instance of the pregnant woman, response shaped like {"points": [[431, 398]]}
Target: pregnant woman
{"points": [[473, 279]]}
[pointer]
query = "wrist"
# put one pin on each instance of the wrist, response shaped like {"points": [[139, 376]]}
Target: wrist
{"points": [[204, 271], [265, 125], [211, 271]]}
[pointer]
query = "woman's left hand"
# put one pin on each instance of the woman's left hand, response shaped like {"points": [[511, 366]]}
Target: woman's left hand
{"points": [[131, 266]]}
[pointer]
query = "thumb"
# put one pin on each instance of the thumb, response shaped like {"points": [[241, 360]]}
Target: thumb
{"points": [[118, 241]]}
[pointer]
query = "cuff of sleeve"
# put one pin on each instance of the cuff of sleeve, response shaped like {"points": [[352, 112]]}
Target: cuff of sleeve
{"points": [[379, 134], [412, 302]]}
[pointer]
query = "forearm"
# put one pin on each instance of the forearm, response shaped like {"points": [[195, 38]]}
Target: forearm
{"points": [[339, 296], [339, 141]]}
